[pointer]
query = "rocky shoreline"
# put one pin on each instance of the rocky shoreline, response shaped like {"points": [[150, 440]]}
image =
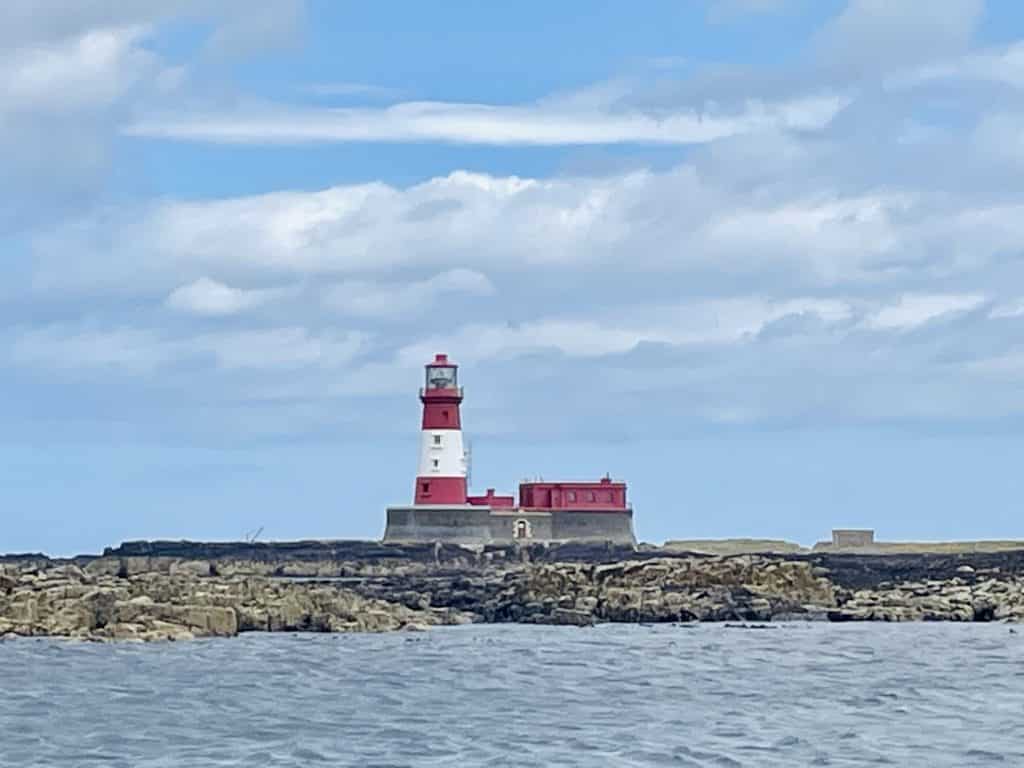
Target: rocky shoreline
{"points": [[180, 590]]}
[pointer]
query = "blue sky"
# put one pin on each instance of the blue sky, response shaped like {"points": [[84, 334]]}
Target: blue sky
{"points": [[760, 258]]}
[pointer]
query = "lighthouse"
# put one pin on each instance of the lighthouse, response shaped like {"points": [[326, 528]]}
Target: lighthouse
{"points": [[444, 511], [441, 478]]}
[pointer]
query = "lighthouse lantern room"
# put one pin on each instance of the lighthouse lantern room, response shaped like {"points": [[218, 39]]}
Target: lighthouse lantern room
{"points": [[442, 471]]}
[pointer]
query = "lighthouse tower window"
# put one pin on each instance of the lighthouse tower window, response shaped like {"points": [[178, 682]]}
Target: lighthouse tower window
{"points": [[437, 439]]}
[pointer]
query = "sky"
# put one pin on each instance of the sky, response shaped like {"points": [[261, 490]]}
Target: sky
{"points": [[762, 259]]}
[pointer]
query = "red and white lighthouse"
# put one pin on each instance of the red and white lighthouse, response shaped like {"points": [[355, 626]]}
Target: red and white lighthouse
{"points": [[442, 472], [442, 509]]}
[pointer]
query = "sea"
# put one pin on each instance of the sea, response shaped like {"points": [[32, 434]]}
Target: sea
{"points": [[513, 695]]}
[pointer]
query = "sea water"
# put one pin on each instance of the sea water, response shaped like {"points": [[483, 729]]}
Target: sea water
{"points": [[510, 695]]}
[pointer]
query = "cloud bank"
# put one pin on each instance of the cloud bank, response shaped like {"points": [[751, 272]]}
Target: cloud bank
{"points": [[833, 242]]}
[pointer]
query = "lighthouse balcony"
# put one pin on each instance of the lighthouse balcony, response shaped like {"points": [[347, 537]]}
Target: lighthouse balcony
{"points": [[441, 394]]}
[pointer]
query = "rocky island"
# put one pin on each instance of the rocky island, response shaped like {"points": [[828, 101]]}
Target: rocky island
{"points": [[181, 590]]}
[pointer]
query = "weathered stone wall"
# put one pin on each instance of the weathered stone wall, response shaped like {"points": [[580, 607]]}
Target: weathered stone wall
{"points": [[480, 525], [852, 538], [616, 527], [458, 525]]}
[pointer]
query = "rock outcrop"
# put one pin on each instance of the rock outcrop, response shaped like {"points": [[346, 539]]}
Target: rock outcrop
{"points": [[187, 602], [147, 594]]}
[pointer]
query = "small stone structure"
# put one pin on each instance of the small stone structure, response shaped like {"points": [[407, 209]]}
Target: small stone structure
{"points": [[848, 537]]}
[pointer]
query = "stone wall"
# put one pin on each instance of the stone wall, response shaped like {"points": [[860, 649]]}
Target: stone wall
{"points": [[482, 525], [503, 525], [852, 538], [616, 527], [459, 525]]}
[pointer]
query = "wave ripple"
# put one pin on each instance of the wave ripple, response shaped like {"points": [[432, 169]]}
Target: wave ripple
{"points": [[510, 695]]}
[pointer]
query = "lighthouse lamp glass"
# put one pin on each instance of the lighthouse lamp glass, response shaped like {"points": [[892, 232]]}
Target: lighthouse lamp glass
{"points": [[440, 377]]}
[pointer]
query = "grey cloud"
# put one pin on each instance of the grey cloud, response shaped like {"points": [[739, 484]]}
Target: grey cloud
{"points": [[71, 72], [142, 351], [362, 298], [871, 37], [432, 209], [58, 103], [794, 324], [28, 22]]}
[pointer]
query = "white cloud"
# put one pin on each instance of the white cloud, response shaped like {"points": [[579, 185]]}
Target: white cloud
{"points": [[677, 222], [541, 124], [725, 321], [71, 71], [912, 311], [575, 338], [838, 238], [1012, 308], [997, 65], [209, 297], [90, 71], [791, 267], [363, 298]]}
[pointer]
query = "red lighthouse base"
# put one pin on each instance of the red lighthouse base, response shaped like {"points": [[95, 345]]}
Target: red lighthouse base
{"points": [[440, 490]]}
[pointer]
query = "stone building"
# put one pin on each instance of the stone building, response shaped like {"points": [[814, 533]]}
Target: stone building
{"points": [[849, 537]]}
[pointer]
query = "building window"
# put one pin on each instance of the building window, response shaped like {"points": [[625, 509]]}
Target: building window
{"points": [[426, 487], [437, 439], [591, 496], [444, 415], [570, 495], [435, 463]]}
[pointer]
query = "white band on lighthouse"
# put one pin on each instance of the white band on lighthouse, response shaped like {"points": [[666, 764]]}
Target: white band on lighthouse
{"points": [[442, 453]]}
